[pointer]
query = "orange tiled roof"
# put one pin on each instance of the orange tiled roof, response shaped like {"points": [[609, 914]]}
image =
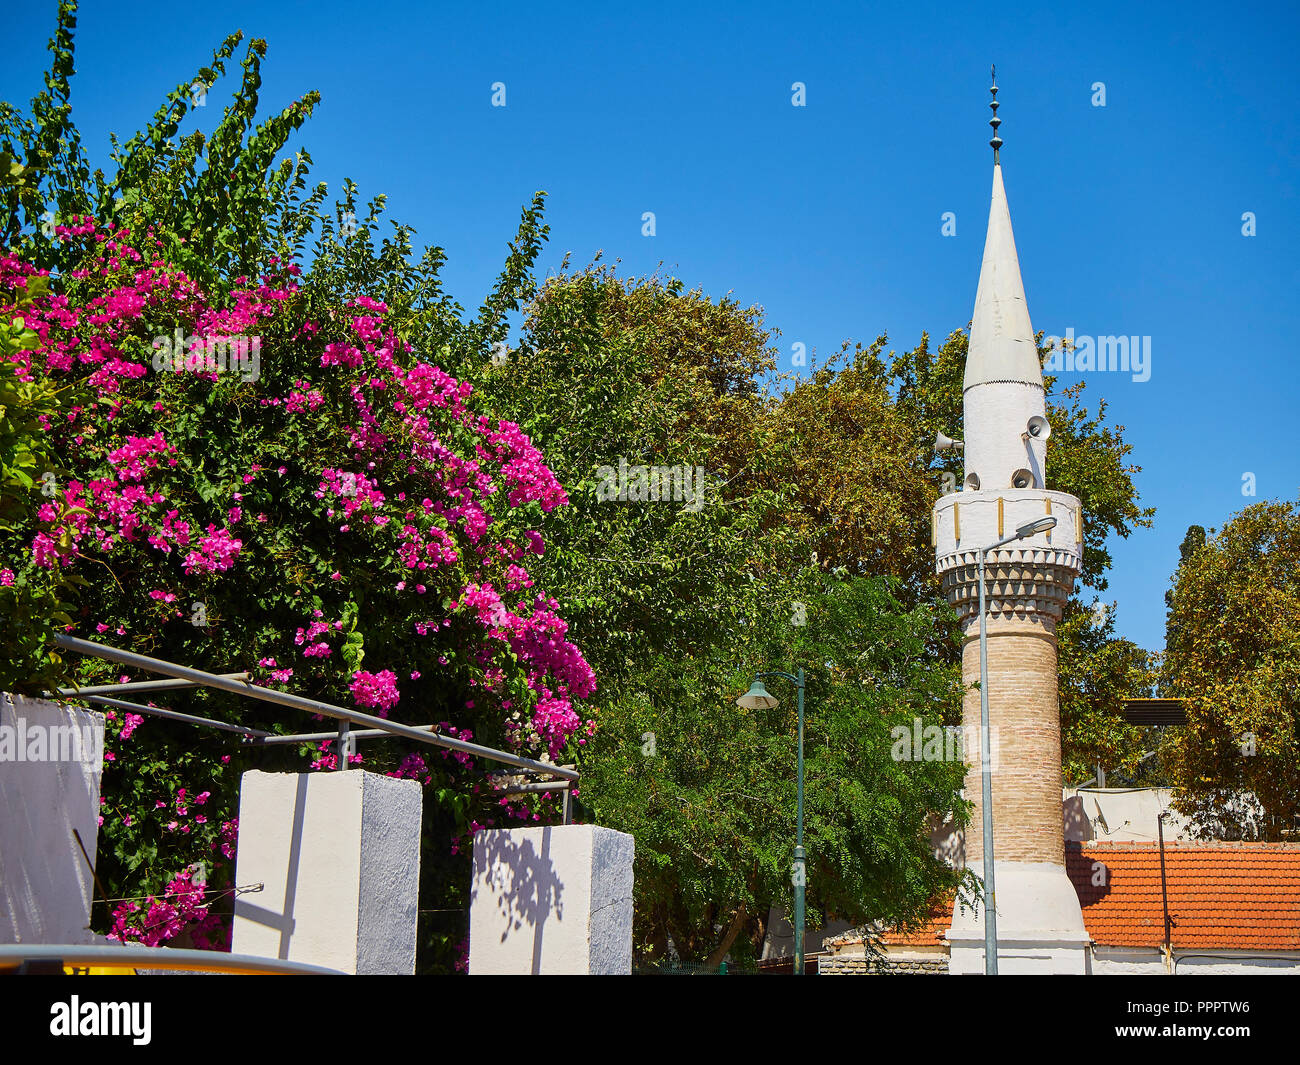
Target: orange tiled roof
{"points": [[929, 934], [1225, 896]]}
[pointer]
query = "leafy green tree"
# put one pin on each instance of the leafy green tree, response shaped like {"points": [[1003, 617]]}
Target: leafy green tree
{"points": [[31, 597], [1233, 657], [842, 455], [611, 375], [708, 788], [1098, 671], [1192, 542]]}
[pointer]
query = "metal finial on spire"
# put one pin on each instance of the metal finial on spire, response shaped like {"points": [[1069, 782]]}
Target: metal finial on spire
{"points": [[996, 142]]}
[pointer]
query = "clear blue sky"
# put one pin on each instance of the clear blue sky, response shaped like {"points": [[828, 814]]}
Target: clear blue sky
{"points": [[1128, 217]]}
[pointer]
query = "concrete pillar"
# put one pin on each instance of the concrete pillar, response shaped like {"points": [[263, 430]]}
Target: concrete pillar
{"points": [[551, 900], [51, 757], [339, 855]]}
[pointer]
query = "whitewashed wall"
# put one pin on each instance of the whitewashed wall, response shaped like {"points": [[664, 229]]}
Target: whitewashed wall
{"points": [[1147, 961], [45, 881]]}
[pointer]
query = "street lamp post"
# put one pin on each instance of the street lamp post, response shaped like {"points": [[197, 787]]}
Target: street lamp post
{"points": [[986, 771], [759, 698]]}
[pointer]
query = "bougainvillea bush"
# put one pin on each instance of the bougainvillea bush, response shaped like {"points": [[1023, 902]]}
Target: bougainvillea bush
{"points": [[336, 516], [224, 447]]}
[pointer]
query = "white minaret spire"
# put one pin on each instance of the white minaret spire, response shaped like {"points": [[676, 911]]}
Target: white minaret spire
{"points": [[1002, 346], [1004, 407]]}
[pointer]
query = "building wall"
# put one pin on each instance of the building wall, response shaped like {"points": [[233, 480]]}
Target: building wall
{"points": [[779, 942], [45, 879], [1105, 961], [1120, 814], [1088, 814], [860, 965], [1148, 961]]}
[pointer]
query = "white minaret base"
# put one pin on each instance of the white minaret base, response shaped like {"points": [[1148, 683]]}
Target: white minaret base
{"points": [[1040, 924]]}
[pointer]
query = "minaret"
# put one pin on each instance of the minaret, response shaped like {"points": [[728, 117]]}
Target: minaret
{"points": [[1039, 922]]}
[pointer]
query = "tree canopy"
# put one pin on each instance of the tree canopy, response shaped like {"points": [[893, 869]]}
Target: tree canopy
{"points": [[1233, 657]]}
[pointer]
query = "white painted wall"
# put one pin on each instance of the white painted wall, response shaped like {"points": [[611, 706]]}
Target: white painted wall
{"points": [[979, 526], [1120, 814], [779, 941], [1148, 961], [45, 882], [551, 900], [1094, 815], [339, 857]]}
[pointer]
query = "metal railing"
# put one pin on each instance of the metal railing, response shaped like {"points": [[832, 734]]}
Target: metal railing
{"points": [[240, 685], [38, 956]]}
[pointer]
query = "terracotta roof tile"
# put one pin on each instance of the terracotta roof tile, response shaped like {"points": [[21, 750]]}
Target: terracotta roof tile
{"points": [[1225, 896], [930, 933], [1222, 896]]}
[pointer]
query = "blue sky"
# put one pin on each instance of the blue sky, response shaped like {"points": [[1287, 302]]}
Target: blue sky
{"points": [[1128, 217]]}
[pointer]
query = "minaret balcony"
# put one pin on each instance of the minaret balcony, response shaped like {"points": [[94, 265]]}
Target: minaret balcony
{"points": [[1032, 577]]}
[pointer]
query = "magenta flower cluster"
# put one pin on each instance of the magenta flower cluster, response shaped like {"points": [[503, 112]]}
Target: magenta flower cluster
{"points": [[375, 689]]}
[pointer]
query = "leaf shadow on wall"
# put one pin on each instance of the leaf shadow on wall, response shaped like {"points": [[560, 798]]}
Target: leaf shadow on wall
{"points": [[524, 880]]}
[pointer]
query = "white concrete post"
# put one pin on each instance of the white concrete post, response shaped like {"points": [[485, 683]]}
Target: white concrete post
{"points": [[339, 855], [51, 757], [551, 900]]}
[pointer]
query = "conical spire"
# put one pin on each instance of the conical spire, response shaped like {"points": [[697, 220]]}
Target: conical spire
{"points": [[1002, 346]]}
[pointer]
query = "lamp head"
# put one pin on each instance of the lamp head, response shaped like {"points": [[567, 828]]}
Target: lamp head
{"points": [[1033, 527], [757, 698]]}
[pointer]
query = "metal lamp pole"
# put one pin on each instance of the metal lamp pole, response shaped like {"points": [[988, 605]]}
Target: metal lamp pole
{"points": [[756, 698], [986, 795], [800, 859]]}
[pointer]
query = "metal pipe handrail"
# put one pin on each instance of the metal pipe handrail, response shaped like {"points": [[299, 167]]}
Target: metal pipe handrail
{"points": [[135, 957], [176, 715], [271, 739], [299, 702], [536, 788], [137, 686]]}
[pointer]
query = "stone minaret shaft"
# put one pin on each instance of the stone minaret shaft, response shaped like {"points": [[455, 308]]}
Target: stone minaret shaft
{"points": [[1028, 583], [1026, 590]]}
